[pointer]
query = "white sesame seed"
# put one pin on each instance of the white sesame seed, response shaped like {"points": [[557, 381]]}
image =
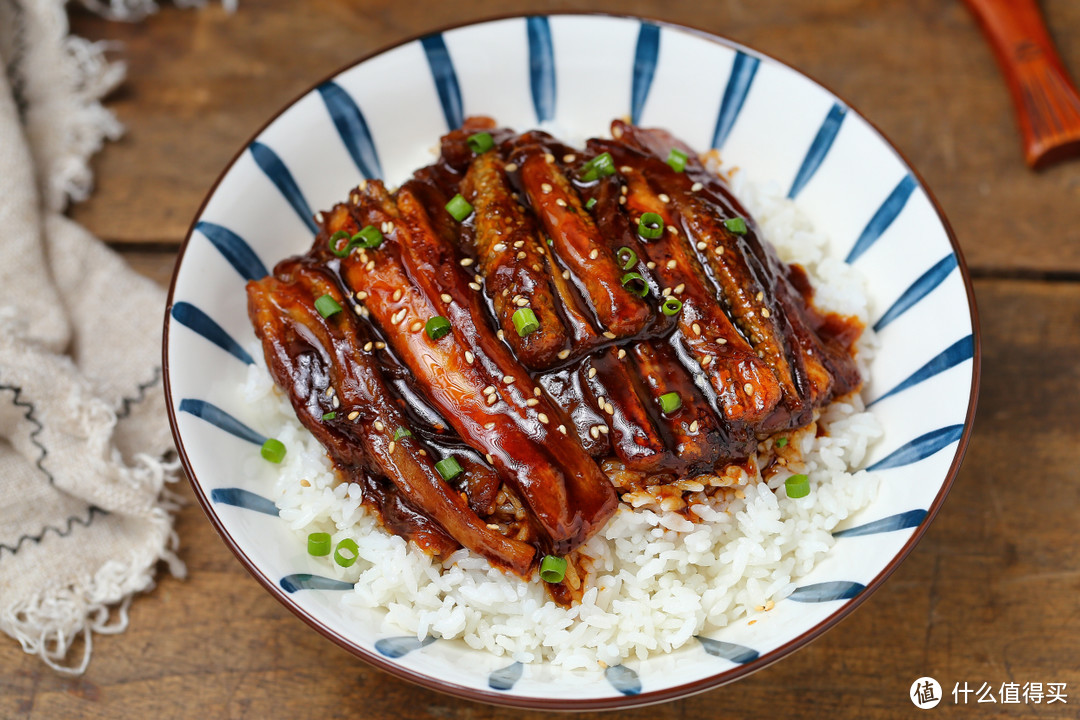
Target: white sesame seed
{"points": [[445, 298], [718, 251], [651, 265], [469, 357], [671, 264], [592, 372], [532, 402], [370, 265], [701, 245], [679, 288], [760, 296], [563, 354], [765, 312], [694, 426], [501, 335], [335, 402], [319, 217], [622, 353], [498, 247], [624, 190], [569, 158], [489, 426], [521, 255], [518, 244], [748, 388], [478, 278], [367, 347], [696, 186], [492, 399], [542, 418], [511, 167], [594, 254], [361, 295], [398, 316], [489, 390], [537, 391], [474, 286], [565, 274], [508, 379], [595, 432], [560, 202], [664, 198], [672, 229], [665, 292], [609, 335], [492, 526], [696, 328], [354, 414], [609, 409], [625, 169], [545, 188], [330, 392], [379, 426], [491, 460], [521, 302], [380, 345], [721, 341], [707, 361], [536, 267], [423, 452], [416, 326], [466, 262], [549, 157], [396, 296], [562, 429]]}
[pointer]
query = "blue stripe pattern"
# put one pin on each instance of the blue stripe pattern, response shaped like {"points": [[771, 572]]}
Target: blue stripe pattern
{"points": [[400, 646], [819, 148], [961, 350], [192, 317], [219, 418], [446, 82], [739, 654], [645, 57], [505, 678], [919, 289], [246, 499], [307, 581], [883, 218], [743, 70], [353, 129], [826, 591], [921, 447], [901, 521], [541, 67], [234, 249], [275, 169], [623, 679]]}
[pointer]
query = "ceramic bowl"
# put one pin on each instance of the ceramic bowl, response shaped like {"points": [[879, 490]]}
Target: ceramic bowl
{"points": [[379, 118]]}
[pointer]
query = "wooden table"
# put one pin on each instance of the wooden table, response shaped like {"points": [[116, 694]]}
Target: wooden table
{"points": [[991, 593]]}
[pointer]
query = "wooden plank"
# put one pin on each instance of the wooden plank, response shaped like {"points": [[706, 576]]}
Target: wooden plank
{"points": [[988, 596], [201, 82]]}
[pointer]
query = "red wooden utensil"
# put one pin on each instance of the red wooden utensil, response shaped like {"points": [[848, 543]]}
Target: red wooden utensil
{"points": [[1047, 103]]}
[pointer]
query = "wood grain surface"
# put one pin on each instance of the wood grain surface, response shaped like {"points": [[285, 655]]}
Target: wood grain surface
{"points": [[991, 594]]}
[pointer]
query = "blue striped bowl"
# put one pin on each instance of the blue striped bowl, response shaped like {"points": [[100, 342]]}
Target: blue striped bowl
{"points": [[379, 117]]}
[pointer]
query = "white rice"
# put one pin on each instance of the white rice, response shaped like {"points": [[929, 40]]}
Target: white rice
{"points": [[658, 579]]}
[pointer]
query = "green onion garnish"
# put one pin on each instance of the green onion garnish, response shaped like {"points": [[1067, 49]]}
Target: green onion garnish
{"points": [[600, 166], [552, 569], [650, 226], [525, 321], [781, 442], [327, 306], [627, 258], [636, 284], [797, 486], [273, 450], [459, 208], [401, 433], [670, 402], [449, 468], [736, 225], [368, 237], [318, 544], [672, 305], [437, 327], [591, 204], [481, 142], [350, 554], [677, 160], [334, 248], [329, 416]]}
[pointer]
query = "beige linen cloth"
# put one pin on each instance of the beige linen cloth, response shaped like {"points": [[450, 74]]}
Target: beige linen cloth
{"points": [[84, 512]]}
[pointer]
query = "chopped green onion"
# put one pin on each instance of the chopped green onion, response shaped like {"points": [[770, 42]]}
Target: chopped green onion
{"points": [[672, 305], [636, 284], [650, 226], [318, 544], [677, 160], [670, 402], [327, 306], [459, 208], [600, 166], [273, 450], [525, 321], [781, 442], [797, 486], [552, 569], [591, 204], [368, 237], [437, 327], [401, 433], [481, 142], [627, 258], [329, 416], [736, 225], [351, 553], [449, 468], [344, 249]]}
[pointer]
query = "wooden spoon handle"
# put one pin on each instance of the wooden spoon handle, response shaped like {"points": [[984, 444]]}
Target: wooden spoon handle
{"points": [[1047, 103]]}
